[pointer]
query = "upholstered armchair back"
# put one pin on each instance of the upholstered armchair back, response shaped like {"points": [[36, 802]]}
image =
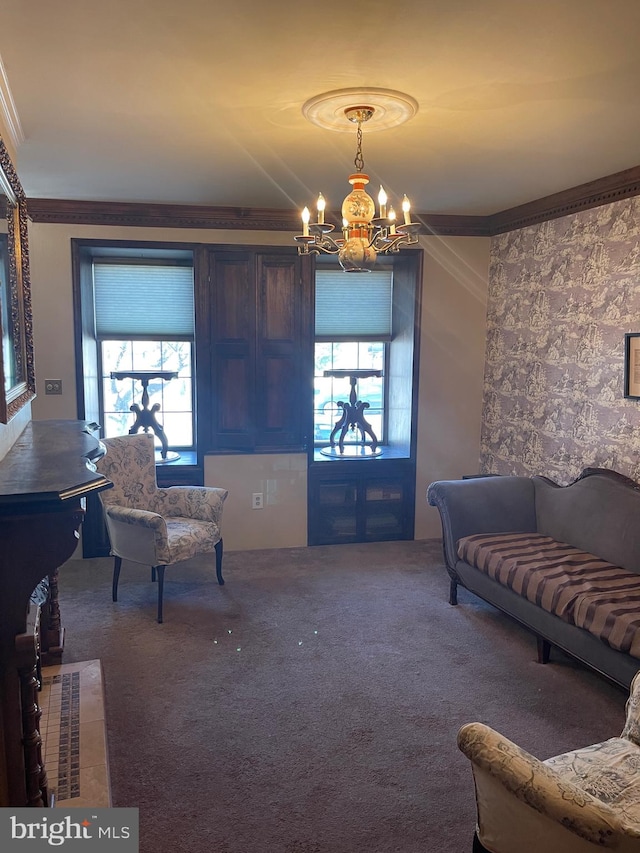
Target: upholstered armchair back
{"points": [[130, 464]]}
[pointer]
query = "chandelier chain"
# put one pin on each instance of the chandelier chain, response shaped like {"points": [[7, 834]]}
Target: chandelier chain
{"points": [[359, 159]]}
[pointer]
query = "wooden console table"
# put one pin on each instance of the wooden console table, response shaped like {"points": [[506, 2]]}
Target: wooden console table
{"points": [[44, 479]]}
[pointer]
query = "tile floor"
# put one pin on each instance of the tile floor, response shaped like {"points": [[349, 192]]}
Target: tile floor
{"points": [[74, 734]]}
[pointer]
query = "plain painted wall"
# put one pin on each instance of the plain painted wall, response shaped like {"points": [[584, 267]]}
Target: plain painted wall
{"points": [[281, 479], [452, 347]]}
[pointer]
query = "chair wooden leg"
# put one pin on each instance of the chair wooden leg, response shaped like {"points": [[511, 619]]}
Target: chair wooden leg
{"points": [[219, 550], [453, 592], [117, 565], [160, 575], [153, 574]]}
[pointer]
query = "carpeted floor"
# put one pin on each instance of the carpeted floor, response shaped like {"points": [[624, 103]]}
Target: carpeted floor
{"points": [[311, 704]]}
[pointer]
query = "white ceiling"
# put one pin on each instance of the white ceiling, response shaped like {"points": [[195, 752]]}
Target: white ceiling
{"points": [[199, 102]]}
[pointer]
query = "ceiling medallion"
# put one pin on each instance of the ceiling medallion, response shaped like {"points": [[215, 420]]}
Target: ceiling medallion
{"points": [[391, 108], [364, 235]]}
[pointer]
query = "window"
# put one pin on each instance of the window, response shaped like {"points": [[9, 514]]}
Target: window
{"points": [[175, 397], [353, 330], [144, 320], [328, 391]]}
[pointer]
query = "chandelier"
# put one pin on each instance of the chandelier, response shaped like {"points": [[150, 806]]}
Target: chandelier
{"points": [[365, 233]]}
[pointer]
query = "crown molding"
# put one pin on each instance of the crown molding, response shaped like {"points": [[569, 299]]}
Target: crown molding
{"points": [[8, 111], [620, 185], [66, 211], [615, 187], [160, 215], [454, 225]]}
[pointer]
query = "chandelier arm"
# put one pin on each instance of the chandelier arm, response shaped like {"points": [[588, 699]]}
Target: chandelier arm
{"points": [[329, 246], [372, 241], [315, 249], [315, 243]]}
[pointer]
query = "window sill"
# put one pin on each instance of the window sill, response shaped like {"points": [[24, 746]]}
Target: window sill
{"points": [[187, 459], [184, 471], [395, 452]]}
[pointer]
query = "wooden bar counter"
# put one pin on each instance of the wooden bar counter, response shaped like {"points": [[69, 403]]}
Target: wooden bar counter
{"points": [[44, 479]]}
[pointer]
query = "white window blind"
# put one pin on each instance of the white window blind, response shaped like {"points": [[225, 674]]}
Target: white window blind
{"points": [[143, 299], [349, 305]]}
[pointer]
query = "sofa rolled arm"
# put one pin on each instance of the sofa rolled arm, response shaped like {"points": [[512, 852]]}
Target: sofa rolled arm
{"points": [[537, 786], [482, 505]]}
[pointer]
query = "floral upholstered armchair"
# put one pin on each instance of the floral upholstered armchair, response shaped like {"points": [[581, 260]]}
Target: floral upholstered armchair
{"points": [[581, 801], [153, 526]]}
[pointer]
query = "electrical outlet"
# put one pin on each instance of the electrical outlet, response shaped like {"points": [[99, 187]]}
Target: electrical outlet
{"points": [[257, 501], [53, 386]]}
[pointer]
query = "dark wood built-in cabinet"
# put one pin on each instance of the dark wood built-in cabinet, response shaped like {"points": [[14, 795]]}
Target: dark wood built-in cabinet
{"points": [[260, 351], [361, 501]]}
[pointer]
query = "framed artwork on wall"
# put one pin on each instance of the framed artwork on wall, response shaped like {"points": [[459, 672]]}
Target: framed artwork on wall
{"points": [[632, 365], [17, 371]]}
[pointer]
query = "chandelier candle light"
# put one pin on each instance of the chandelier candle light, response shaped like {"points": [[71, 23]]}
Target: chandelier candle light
{"points": [[364, 235]]}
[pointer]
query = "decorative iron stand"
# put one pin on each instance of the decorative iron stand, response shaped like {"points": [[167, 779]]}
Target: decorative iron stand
{"points": [[352, 417], [145, 416]]}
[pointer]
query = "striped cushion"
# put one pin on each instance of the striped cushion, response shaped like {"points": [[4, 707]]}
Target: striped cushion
{"points": [[576, 586]]}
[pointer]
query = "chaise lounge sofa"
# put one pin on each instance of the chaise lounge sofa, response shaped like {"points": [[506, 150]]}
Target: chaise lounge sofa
{"points": [[564, 561]]}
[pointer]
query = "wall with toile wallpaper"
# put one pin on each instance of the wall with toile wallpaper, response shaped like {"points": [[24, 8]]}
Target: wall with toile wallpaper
{"points": [[562, 294]]}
